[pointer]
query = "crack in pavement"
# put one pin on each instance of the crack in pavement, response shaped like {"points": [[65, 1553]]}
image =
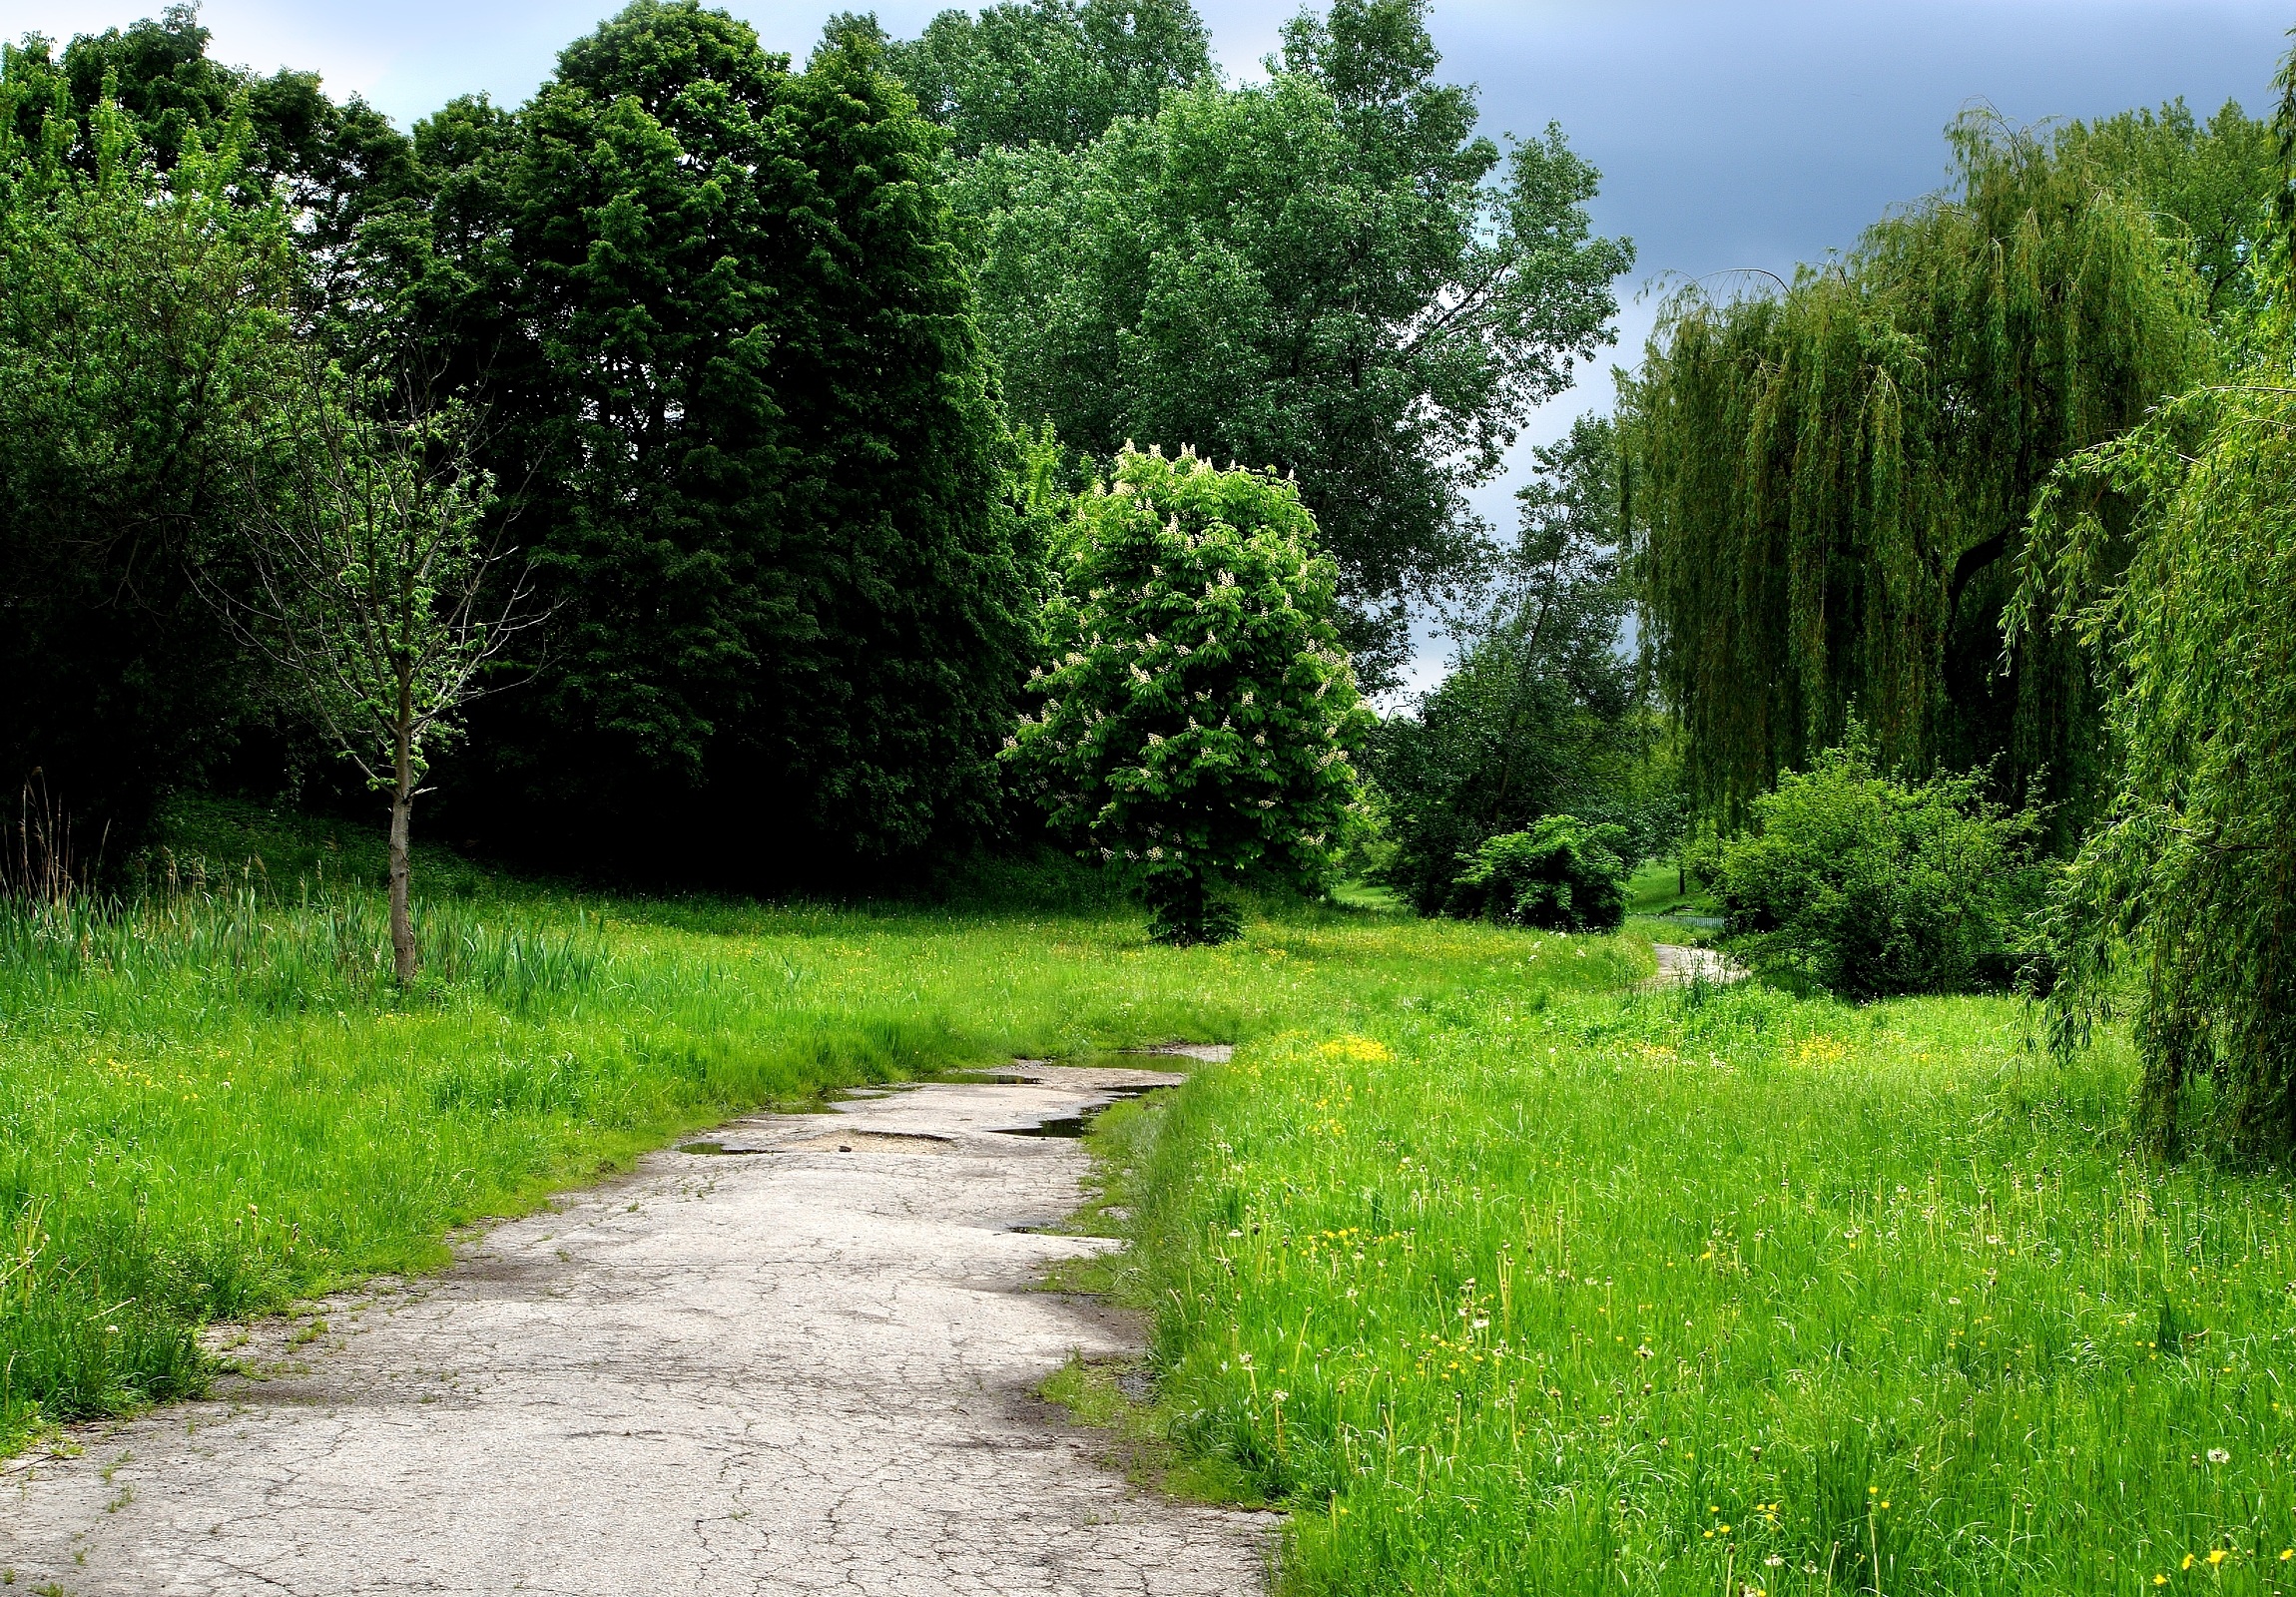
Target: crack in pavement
{"points": [[813, 1374]]}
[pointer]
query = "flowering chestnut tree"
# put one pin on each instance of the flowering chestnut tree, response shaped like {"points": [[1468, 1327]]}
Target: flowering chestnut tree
{"points": [[1196, 720]]}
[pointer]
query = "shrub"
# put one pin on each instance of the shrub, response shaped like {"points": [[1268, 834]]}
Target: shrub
{"points": [[1561, 875], [1875, 886]]}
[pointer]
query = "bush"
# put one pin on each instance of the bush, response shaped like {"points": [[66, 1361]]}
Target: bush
{"points": [[1562, 874], [1878, 887]]}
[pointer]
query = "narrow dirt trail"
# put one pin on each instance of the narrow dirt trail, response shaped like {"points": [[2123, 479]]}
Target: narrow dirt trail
{"points": [[794, 1370]]}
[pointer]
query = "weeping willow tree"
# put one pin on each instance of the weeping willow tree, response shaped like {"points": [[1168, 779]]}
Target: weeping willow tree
{"points": [[2182, 901], [2184, 897], [1827, 487]]}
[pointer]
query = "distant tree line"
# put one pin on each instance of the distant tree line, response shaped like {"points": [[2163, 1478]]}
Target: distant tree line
{"points": [[748, 355]]}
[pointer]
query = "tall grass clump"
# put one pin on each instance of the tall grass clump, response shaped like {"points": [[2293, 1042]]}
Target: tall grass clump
{"points": [[1721, 1293], [233, 948], [101, 1295]]}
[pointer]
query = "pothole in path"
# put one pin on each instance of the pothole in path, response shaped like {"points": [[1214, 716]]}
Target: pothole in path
{"points": [[841, 1142], [873, 1142], [1057, 1126], [1077, 1124]]}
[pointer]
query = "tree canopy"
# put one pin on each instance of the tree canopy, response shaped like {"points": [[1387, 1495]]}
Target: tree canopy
{"points": [[721, 317], [334, 162], [139, 312], [1330, 273], [2179, 901], [1051, 71], [1828, 486], [2203, 184]]}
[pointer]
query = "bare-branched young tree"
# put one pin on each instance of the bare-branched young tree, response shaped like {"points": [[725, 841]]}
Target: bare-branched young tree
{"points": [[382, 589]]}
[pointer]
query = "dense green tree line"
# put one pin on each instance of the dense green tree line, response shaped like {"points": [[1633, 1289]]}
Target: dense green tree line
{"points": [[738, 342], [716, 317], [720, 317], [2008, 488], [139, 315]]}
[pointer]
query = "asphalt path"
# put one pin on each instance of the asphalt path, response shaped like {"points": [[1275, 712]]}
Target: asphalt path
{"points": [[806, 1363]]}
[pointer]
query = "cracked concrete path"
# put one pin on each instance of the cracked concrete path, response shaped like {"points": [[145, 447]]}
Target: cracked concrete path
{"points": [[794, 1368]]}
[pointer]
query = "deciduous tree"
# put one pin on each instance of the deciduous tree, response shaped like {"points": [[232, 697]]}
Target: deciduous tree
{"points": [[1828, 486], [725, 329], [1330, 273], [380, 591], [1051, 71], [1196, 724], [2181, 902], [137, 309]]}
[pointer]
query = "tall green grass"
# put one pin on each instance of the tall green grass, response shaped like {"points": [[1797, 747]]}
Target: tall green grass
{"points": [[1714, 1292], [213, 1099]]}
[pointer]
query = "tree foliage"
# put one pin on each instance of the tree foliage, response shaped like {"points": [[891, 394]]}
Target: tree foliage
{"points": [[1829, 486], [331, 163], [1196, 724], [2204, 184], [1328, 272], [1541, 712], [1049, 72], [2182, 899], [139, 312], [721, 317]]}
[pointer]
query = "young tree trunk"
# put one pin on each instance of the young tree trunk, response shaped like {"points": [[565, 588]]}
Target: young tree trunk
{"points": [[402, 808]]}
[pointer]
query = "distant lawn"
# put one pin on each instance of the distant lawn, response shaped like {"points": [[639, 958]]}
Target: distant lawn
{"points": [[1657, 887], [216, 1102], [1370, 896]]}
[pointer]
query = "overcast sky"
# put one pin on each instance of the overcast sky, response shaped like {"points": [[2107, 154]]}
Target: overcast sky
{"points": [[1728, 134]]}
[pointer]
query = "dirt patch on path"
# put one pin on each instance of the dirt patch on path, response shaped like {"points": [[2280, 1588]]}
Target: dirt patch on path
{"points": [[802, 1370]]}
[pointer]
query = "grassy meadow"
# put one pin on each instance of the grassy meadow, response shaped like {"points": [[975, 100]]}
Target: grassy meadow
{"points": [[1503, 1276], [213, 1101], [1718, 1291]]}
